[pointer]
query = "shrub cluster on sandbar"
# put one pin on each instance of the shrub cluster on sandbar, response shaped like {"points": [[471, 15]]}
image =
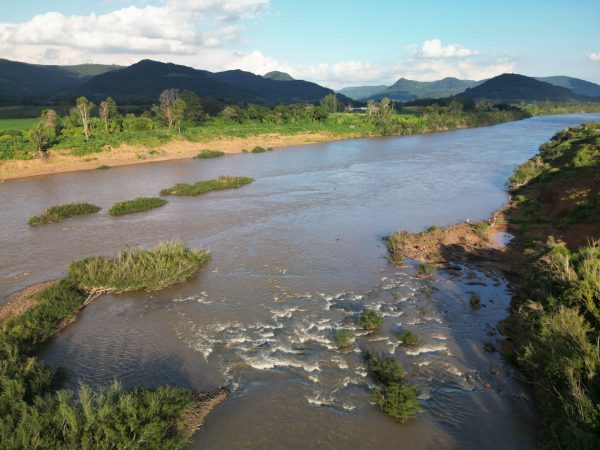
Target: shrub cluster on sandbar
{"points": [[136, 205], [204, 186], [207, 154], [59, 213]]}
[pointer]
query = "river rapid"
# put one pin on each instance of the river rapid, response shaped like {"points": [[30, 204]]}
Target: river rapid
{"points": [[297, 255]]}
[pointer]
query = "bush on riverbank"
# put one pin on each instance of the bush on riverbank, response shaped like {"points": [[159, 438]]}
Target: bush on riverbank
{"points": [[132, 269], [555, 322], [35, 415], [207, 154], [59, 213], [396, 397], [204, 186], [136, 205]]}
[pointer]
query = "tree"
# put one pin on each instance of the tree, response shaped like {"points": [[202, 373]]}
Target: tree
{"points": [[193, 107], [50, 117], [179, 108], [167, 105], [372, 109], [108, 110], [329, 102], [385, 119], [40, 135], [84, 107]]}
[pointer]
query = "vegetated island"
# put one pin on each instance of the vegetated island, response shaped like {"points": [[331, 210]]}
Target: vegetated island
{"points": [[553, 331], [58, 213], [36, 414], [136, 205], [204, 186], [89, 136]]}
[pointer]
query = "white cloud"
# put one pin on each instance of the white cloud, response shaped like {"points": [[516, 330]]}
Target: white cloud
{"points": [[433, 48], [594, 56], [202, 33]]}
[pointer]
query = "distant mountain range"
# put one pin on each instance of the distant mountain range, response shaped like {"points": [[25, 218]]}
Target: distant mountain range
{"points": [[512, 87], [144, 81], [522, 88]]}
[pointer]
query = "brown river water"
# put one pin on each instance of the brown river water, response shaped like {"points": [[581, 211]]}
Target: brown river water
{"points": [[296, 255]]}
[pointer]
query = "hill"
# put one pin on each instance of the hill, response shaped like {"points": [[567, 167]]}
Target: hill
{"points": [[279, 76], [513, 87], [22, 82], [405, 90], [578, 86], [144, 81]]}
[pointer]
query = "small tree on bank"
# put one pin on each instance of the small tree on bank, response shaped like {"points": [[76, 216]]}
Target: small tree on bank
{"points": [[166, 109], [84, 107], [40, 135], [107, 111]]}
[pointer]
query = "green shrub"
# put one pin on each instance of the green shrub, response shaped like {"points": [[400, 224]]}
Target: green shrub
{"points": [[526, 172], [370, 320], [398, 400], [425, 270], [201, 187], [483, 230], [132, 269], [103, 167], [206, 154], [59, 213], [385, 370], [258, 149], [409, 338], [475, 301], [136, 205], [343, 338]]}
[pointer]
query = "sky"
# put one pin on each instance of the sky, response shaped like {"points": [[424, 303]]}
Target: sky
{"points": [[335, 43]]}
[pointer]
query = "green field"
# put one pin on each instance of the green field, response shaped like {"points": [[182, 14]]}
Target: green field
{"points": [[17, 124]]}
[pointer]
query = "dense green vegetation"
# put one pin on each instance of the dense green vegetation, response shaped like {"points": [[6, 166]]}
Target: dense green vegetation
{"points": [[555, 325], [370, 320], [59, 213], [133, 269], [90, 128], [204, 186], [35, 415], [207, 154], [136, 205], [395, 397], [344, 338], [409, 338]]}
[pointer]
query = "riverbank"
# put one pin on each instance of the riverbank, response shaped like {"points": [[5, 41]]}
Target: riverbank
{"points": [[63, 160], [553, 262]]}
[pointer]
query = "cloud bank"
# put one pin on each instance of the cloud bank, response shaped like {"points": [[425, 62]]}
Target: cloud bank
{"points": [[203, 34]]}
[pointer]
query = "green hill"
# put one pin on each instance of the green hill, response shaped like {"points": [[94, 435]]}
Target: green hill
{"points": [[279, 76], [513, 88], [405, 90], [578, 86]]}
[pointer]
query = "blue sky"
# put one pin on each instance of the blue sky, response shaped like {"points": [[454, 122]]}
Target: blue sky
{"points": [[334, 42]]}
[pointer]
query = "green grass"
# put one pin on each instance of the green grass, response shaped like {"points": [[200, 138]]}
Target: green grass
{"points": [[18, 124], [207, 154], [370, 320], [483, 230], [35, 415], [59, 213], [425, 270], [344, 338], [258, 149], [204, 186], [136, 205], [134, 269]]}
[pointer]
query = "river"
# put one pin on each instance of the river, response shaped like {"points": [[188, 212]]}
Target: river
{"points": [[296, 255]]}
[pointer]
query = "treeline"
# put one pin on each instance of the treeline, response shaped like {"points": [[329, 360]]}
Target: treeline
{"points": [[554, 329], [183, 115]]}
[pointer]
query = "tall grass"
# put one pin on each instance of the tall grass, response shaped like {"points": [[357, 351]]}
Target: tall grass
{"points": [[204, 186], [136, 205], [59, 213], [132, 269]]}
